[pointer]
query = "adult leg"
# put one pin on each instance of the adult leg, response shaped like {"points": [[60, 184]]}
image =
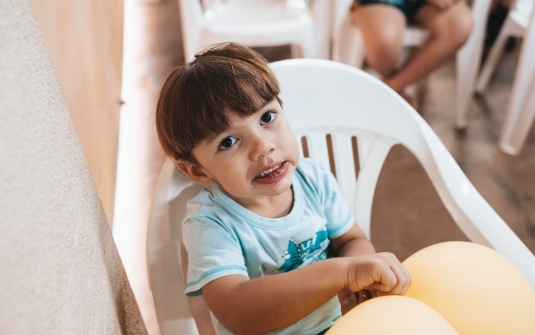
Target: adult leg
{"points": [[449, 28], [382, 27]]}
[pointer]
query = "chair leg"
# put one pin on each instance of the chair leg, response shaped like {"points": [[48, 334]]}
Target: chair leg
{"points": [[467, 63], [494, 56], [466, 71], [321, 42], [296, 51], [325, 47], [521, 108], [307, 45], [517, 125], [323, 13], [348, 47]]}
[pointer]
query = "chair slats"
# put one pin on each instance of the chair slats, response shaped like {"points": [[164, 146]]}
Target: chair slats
{"points": [[300, 143], [365, 143], [317, 147], [370, 169], [345, 166], [372, 152]]}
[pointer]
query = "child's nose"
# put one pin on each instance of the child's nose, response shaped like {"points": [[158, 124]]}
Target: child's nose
{"points": [[261, 147]]}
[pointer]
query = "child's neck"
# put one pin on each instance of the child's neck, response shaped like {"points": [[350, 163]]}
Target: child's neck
{"points": [[268, 206]]}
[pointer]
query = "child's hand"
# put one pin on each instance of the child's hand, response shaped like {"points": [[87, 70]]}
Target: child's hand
{"points": [[380, 273], [349, 299]]}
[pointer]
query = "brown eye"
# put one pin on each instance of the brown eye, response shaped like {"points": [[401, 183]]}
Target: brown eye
{"points": [[267, 117], [227, 143]]}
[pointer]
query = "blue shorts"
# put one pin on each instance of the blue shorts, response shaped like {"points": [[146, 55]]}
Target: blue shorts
{"points": [[408, 7]]}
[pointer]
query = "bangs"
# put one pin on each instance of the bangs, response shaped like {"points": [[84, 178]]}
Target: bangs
{"points": [[227, 90]]}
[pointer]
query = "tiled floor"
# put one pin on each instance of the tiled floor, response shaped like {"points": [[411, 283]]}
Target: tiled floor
{"points": [[407, 213]]}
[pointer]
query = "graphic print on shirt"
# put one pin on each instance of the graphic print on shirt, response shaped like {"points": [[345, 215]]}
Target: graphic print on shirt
{"points": [[262, 270], [297, 253]]}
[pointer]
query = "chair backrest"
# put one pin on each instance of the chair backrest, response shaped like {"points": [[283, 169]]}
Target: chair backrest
{"points": [[192, 22], [326, 98], [257, 23], [331, 102], [173, 190]]}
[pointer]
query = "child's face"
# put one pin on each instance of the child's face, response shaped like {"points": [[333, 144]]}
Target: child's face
{"points": [[255, 157]]}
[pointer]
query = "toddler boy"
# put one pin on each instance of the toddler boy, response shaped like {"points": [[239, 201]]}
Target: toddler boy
{"points": [[257, 235]]}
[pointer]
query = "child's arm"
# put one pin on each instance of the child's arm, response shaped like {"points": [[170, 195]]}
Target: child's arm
{"points": [[352, 243], [267, 304]]}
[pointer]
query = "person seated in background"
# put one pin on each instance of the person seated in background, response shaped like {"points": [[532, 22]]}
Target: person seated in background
{"points": [[258, 234], [383, 22]]}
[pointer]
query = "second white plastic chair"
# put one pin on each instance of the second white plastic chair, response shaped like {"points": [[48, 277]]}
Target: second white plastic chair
{"points": [[346, 50], [257, 23], [520, 22]]}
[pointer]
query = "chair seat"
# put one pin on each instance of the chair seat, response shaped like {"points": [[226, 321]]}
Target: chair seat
{"points": [[278, 25], [256, 12], [414, 36], [258, 28]]}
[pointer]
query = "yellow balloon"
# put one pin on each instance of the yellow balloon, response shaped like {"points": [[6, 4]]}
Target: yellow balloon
{"points": [[479, 291], [392, 315]]}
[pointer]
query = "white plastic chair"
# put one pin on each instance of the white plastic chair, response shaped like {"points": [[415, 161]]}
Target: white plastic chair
{"points": [[327, 98], [257, 23], [520, 22], [346, 49]]}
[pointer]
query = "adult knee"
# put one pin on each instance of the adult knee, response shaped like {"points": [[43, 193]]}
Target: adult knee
{"points": [[383, 51], [456, 30], [461, 28]]}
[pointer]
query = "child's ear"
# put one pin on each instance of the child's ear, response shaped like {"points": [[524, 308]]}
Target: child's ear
{"points": [[195, 172]]}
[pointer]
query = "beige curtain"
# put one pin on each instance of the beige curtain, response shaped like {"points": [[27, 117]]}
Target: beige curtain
{"points": [[60, 272], [84, 39]]}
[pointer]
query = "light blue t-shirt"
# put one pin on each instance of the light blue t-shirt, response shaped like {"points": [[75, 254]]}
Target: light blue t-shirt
{"points": [[223, 238]]}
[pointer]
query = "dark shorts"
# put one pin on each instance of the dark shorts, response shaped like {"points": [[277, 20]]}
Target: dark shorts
{"points": [[408, 7]]}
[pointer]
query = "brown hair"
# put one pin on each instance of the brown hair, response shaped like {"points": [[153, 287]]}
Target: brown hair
{"points": [[197, 99]]}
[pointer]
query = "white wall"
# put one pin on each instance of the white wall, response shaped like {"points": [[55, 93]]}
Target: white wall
{"points": [[60, 272], [85, 41]]}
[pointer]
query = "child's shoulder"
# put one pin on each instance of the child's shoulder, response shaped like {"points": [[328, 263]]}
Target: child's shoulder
{"points": [[311, 169], [212, 205], [204, 204], [314, 176]]}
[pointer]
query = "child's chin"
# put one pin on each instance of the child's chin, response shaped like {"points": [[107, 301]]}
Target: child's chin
{"points": [[278, 188]]}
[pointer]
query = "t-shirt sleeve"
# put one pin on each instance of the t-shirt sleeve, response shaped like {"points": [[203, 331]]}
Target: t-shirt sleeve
{"points": [[339, 217], [213, 253]]}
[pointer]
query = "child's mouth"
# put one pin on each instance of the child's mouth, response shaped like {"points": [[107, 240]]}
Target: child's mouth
{"points": [[265, 173], [272, 175]]}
